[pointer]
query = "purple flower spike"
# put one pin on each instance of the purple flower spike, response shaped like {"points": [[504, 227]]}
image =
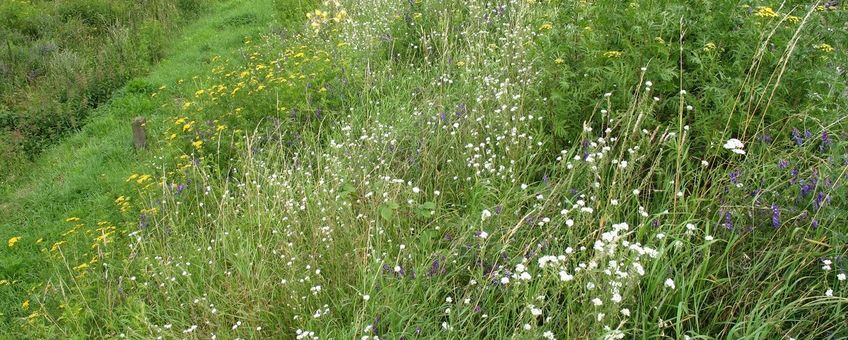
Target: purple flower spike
{"points": [[775, 215], [796, 136], [728, 221]]}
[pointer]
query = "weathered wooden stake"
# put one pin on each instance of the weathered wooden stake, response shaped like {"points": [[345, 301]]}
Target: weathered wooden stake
{"points": [[139, 133]]}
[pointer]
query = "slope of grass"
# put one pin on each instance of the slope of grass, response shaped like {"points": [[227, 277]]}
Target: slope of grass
{"points": [[84, 174], [61, 59]]}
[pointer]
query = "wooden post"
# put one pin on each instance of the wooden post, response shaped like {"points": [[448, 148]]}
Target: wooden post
{"points": [[139, 133]]}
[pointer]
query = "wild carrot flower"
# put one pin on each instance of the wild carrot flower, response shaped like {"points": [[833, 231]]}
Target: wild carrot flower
{"points": [[735, 145]]}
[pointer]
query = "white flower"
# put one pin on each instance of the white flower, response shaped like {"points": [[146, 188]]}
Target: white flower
{"points": [[548, 335], [597, 302], [735, 145], [366, 297], [616, 298], [485, 214], [829, 292], [416, 190], [841, 276], [483, 234], [709, 238], [625, 312], [535, 311], [669, 283]]}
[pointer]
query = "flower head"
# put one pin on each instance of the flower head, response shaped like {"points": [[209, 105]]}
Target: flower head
{"points": [[735, 145]]}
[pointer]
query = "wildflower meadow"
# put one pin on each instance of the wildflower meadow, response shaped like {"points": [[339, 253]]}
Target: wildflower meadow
{"points": [[452, 169]]}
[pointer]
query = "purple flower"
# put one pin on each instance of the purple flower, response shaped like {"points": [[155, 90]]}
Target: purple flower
{"points": [[796, 136], [728, 221], [825, 141], [820, 199], [782, 164], [806, 188], [461, 110], [734, 177], [775, 215], [142, 221]]}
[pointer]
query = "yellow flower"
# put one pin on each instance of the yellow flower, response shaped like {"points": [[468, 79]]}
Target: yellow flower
{"points": [[72, 219], [765, 12], [14, 240], [558, 61], [25, 305], [57, 245], [81, 267], [197, 144], [710, 46], [546, 26], [613, 54], [824, 47], [793, 19]]}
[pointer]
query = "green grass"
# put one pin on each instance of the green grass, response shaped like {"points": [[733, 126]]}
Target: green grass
{"points": [[450, 169], [84, 174]]}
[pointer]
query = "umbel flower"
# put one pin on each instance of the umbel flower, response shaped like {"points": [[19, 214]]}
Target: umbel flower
{"points": [[735, 145]]}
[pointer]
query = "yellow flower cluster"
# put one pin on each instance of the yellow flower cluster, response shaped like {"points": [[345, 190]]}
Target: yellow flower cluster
{"points": [[824, 47], [613, 54], [13, 241], [765, 12], [319, 19], [123, 202]]}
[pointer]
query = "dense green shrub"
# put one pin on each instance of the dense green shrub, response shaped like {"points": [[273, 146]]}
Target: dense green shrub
{"points": [[729, 64]]}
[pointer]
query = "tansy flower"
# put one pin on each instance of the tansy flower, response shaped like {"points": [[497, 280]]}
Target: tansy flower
{"points": [[824, 47], [197, 144], [25, 305], [613, 54], [558, 61], [14, 240], [546, 26], [765, 12], [72, 219]]}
